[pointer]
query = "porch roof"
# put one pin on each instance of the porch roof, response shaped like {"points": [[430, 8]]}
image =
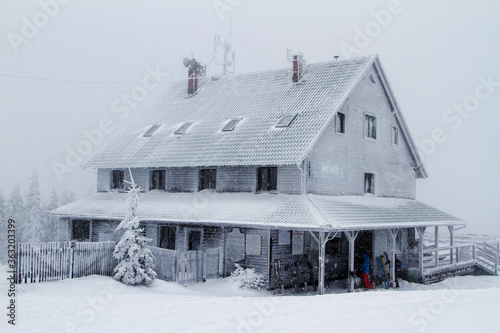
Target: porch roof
{"points": [[307, 212]]}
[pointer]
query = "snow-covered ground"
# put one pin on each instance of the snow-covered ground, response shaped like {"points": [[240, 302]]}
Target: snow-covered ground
{"points": [[101, 304]]}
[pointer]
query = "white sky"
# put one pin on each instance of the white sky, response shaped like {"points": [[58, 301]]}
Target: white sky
{"points": [[433, 53]]}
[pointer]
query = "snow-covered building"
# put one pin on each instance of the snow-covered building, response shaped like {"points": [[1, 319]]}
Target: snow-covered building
{"points": [[285, 171]]}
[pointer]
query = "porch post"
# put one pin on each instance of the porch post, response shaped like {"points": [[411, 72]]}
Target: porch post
{"points": [[452, 242], [321, 277], [393, 234], [436, 241], [421, 231], [351, 237]]}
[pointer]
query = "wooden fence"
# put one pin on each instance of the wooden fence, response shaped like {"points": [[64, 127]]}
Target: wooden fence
{"points": [[40, 262], [186, 267]]}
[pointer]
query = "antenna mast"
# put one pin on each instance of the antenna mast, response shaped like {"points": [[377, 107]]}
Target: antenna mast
{"points": [[229, 54]]}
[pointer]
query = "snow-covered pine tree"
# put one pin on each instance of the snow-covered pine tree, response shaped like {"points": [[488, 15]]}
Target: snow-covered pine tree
{"points": [[3, 227], [51, 229], [34, 218], [136, 260], [67, 198], [15, 210]]}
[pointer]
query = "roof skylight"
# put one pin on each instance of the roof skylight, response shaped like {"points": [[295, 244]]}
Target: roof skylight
{"points": [[286, 120], [231, 125], [183, 128], [152, 130]]}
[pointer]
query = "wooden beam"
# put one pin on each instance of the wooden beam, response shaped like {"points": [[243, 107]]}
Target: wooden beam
{"points": [[393, 233], [351, 237], [452, 242], [436, 241], [321, 277], [421, 231]]}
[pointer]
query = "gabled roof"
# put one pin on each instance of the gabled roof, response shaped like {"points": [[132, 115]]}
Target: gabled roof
{"points": [[304, 212], [260, 100]]}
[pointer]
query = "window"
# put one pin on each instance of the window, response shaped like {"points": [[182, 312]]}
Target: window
{"points": [[370, 127], [149, 133], [369, 183], [208, 179], [118, 180], [194, 240], [183, 128], [286, 120], [395, 136], [81, 230], [267, 179], [167, 238], [231, 125], [157, 180], [340, 122]]}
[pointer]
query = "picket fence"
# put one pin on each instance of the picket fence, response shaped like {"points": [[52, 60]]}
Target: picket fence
{"points": [[186, 267], [40, 262]]}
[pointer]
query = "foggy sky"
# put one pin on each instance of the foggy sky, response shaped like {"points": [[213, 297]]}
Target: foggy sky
{"points": [[436, 55]]}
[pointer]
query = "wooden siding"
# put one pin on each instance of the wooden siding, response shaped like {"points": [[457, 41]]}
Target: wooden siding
{"points": [[182, 180], [141, 178], [289, 179], [259, 262], [236, 179], [289, 261], [104, 226], [64, 229], [103, 180], [229, 179], [349, 156]]}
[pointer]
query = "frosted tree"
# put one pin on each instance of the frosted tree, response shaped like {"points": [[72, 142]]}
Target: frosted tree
{"points": [[3, 227], [54, 200], [15, 206], [136, 260], [67, 198], [34, 218], [51, 229], [15, 209], [3, 211]]}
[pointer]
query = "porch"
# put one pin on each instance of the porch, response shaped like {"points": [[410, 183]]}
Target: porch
{"points": [[425, 263]]}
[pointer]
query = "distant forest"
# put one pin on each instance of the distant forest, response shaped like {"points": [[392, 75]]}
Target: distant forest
{"points": [[31, 214]]}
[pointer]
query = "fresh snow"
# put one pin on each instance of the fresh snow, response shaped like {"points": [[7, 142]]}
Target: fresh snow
{"points": [[101, 304]]}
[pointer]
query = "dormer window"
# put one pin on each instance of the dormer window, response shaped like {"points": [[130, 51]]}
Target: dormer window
{"points": [[151, 130], [183, 128], [230, 126], [286, 120]]}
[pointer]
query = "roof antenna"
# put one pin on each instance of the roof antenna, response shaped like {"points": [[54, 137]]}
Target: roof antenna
{"points": [[229, 54]]}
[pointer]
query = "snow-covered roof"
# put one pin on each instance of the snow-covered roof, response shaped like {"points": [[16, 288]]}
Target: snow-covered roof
{"points": [[309, 212], [258, 99]]}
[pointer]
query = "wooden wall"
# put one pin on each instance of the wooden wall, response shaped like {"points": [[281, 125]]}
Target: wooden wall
{"points": [[229, 179], [349, 156]]}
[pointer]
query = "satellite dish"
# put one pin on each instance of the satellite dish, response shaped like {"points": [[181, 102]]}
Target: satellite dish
{"points": [[186, 62]]}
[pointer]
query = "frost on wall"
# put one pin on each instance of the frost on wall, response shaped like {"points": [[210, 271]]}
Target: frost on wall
{"points": [[136, 260]]}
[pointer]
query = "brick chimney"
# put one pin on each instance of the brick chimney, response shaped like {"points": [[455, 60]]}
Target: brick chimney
{"points": [[297, 67], [195, 70], [192, 81]]}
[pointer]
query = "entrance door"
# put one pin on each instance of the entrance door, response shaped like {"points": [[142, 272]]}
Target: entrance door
{"points": [[363, 245]]}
